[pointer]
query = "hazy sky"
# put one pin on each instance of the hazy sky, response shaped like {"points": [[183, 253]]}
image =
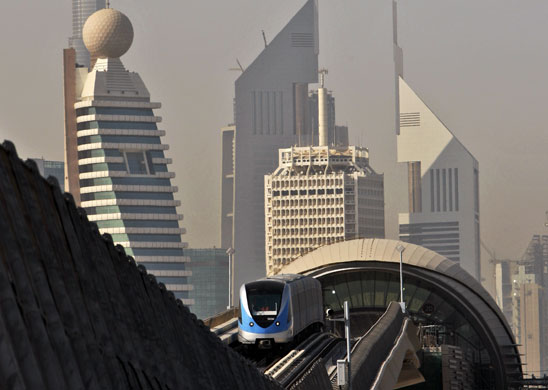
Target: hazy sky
{"points": [[480, 65]]}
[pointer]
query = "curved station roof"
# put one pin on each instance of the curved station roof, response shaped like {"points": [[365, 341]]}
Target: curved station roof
{"points": [[437, 291]]}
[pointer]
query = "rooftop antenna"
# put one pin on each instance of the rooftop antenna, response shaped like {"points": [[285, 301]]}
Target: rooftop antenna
{"points": [[322, 73], [264, 39]]}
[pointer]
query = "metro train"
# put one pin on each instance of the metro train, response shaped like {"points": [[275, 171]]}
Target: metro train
{"points": [[277, 309]]}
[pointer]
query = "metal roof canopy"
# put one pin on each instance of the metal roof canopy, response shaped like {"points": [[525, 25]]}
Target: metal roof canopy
{"points": [[442, 274]]}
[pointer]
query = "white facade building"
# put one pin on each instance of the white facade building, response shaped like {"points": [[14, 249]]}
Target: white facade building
{"points": [[320, 195], [443, 178], [443, 185]]}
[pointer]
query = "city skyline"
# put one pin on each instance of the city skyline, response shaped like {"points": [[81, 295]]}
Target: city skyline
{"points": [[475, 65]]}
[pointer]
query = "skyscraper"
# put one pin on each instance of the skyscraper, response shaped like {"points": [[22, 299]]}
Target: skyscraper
{"points": [[209, 267], [271, 97], [120, 171], [443, 183], [443, 179], [81, 11], [320, 195]]}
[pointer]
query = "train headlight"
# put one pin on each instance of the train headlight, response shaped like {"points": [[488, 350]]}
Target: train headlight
{"points": [[277, 323], [251, 324]]}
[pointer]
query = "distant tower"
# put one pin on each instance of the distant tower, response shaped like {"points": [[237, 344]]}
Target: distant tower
{"points": [[81, 11], [271, 100], [443, 179], [51, 168], [122, 177]]}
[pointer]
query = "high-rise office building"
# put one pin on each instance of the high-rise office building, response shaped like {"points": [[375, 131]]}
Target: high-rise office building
{"points": [[504, 272], [443, 180], [81, 11], [320, 195], [529, 320], [115, 152], [271, 100], [522, 295], [52, 168], [209, 267]]}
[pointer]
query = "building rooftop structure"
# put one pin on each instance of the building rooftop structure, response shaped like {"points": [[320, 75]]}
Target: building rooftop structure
{"points": [[323, 159]]}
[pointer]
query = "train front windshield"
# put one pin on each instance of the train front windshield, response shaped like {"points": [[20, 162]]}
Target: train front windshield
{"points": [[264, 299]]}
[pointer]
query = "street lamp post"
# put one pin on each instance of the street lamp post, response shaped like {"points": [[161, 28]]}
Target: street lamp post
{"points": [[230, 252], [346, 321], [400, 248]]}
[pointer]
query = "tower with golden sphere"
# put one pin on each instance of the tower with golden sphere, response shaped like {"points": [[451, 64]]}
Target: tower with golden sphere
{"points": [[121, 170]]}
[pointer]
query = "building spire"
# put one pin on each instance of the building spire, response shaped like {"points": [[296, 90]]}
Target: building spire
{"points": [[322, 110]]}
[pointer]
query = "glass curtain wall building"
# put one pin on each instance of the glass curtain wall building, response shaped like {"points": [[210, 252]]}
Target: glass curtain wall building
{"points": [[209, 278], [52, 168], [81, 10]]}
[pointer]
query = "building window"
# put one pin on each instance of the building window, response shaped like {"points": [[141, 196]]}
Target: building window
{"points": [[438, 200], [450, 189], [138, 162], [456, 189], [444, 188], [432, 190]]}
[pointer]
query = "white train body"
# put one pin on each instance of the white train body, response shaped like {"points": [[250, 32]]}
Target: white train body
{"points": [[278, 308]]}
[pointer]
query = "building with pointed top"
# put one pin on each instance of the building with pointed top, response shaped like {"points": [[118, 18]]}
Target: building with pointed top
{"points": [[443, 185], [443, 179], [115, 156], [270, 106]]}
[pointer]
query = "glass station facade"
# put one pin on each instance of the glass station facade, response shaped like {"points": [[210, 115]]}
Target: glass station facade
{"points": [[444, 323]]}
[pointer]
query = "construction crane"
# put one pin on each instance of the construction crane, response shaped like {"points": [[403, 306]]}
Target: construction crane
{"points": [[491, 253], [264, 39], [240, 68]]}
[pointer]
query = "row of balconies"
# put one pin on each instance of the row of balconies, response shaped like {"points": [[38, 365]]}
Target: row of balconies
{"points": [[299, 242], [297, 251], [305, 193], [307, 212], [308, 182], [308, 221], [304, 232], [330, 201]]}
